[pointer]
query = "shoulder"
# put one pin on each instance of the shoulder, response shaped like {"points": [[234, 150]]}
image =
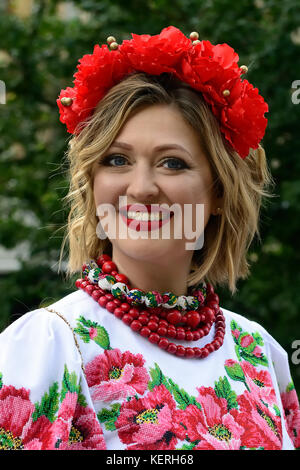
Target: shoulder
{"points": [[236, 320], [43, 333]]}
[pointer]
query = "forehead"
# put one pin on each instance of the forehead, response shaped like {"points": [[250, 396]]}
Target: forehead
{"points": [[159, 121]]}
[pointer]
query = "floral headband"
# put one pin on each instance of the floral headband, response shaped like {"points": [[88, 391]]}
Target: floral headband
{"points": [[212, 70]]}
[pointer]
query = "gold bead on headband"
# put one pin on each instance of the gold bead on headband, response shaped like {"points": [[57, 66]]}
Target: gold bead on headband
{"points": [[226, 92], [194, 36], [65, 101], [244, 68], [112, 42]]}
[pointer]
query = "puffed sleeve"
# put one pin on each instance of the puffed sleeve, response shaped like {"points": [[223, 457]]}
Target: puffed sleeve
{"points": [[288, 394], [44, 397]]}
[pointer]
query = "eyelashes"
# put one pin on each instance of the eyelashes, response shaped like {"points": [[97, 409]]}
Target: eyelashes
{"points": [[106, 161]]}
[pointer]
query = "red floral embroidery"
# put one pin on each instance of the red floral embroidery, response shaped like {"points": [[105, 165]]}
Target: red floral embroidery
{"points": [[147, 423], [263, 426], [115, 375], [17, 428], [77, 426], [292, 415], [213, 425], [260, 384]]}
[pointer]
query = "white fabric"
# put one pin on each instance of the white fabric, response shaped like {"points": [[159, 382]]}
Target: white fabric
{"points": [[35, 349]]}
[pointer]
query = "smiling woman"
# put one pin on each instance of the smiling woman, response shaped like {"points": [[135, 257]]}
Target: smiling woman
{"points": [[143, 356]]}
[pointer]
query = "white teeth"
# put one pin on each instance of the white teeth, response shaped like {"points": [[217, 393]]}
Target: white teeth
{"points": [[144, 216]]}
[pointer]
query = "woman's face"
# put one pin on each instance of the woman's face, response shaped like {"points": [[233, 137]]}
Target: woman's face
{"points": [[156, 159]]}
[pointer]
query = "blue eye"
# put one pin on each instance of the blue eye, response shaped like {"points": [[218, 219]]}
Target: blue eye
{"points": [[106, 161]]}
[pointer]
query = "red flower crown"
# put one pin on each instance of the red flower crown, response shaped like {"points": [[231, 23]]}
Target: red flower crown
{"points": [[213, 70]]}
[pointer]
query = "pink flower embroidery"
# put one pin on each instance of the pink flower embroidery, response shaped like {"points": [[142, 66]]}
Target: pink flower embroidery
{"points": [[78, 426], [18, 430], [236, 333], [217, 427], [246, 341], [147, 423], [260, 383], [263, 426], [115, 375], [292, 415], [93, 333]]}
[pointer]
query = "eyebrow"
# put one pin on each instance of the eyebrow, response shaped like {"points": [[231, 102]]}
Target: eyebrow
{"points": [[156, 149]]}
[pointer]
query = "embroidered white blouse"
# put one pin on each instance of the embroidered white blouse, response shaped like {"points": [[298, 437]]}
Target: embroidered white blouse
{"points": [[104, 386]]}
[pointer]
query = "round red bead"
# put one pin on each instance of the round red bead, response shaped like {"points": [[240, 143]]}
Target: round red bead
{"points": [[110, 306], [174, 317], [145, 331], [189, 336], [197, 352], [122, 278], [127, 319], [78, 283], [162, 330], [204, 352], [154, 338], [210, 347], [152, 325], [125, 307], [117, 302], [96, 295], [119, 312], [180, 350], [193, 319], [136, 325], [109, 296], [189, 352], [108, 267], [196, 335], [172, 348], [163, 343], [143, 319], [103, 301], [171, 332], [102, 259], [89, 289], [180, 335]]}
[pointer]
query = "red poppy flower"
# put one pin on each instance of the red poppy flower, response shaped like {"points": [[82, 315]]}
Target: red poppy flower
{"points": [[147, 423], [114, 375]]}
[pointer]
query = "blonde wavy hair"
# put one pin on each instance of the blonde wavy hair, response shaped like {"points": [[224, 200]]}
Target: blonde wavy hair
{"points": [[242, 184]]}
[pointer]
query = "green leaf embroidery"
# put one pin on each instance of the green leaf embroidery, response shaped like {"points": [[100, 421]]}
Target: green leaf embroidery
{"points": [[223, 390], [109, 416], [158, 378], [181, 396], [49, 404], [246, 352], [290, 387], [83, 329], [188, 446], [69, 384]]}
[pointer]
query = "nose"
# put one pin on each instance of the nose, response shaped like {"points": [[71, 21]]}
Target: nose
{"points": [[143, 184]]}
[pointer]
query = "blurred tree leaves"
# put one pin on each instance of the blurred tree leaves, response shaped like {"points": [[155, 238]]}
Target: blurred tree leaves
{"points": [[38, 57]]}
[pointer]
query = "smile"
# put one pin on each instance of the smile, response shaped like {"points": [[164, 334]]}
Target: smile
{"points": [[142, 221]]}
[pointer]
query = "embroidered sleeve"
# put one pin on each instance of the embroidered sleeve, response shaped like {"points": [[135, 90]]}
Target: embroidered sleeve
{"points": [[288, 394], [44, 398]]}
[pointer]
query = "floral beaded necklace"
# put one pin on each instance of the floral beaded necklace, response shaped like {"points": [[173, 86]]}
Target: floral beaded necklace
{"points": [[156, 316]]}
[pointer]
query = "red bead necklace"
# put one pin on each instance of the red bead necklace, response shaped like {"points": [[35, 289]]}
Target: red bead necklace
{"points": [[157, 324]]}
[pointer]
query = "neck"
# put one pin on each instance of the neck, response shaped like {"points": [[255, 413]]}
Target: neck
{"points": [[161, 276]]}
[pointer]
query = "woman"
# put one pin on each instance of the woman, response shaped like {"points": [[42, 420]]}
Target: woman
{"points": [[141, 356]]}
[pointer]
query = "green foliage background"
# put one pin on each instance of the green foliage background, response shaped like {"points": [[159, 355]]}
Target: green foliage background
{"points": [[41, 54]]}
